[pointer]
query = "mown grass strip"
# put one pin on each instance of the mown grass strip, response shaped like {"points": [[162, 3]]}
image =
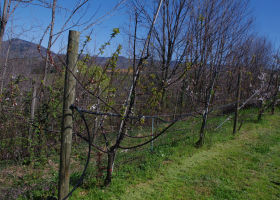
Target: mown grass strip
{"points": [[244, 168]]}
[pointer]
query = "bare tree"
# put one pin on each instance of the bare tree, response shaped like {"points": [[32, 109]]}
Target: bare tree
{"points": [[218, 26], [169, 40], [8, 10], [50, 41]]}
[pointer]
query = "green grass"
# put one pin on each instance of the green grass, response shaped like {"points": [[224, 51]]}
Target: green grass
{"points": [[244, 166]]}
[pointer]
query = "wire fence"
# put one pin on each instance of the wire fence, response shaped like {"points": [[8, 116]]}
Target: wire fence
{"points": [[150, 129], [100, 130]]}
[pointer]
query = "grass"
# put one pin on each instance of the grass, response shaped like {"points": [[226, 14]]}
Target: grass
{"points": [[244, 166], [238, 169]]}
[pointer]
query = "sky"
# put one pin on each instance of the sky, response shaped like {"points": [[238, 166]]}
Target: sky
{"points": [[30, 23], [34, 20], [268, 19]]}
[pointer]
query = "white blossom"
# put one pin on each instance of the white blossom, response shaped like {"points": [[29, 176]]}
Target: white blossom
{"points": [[93, 107]]}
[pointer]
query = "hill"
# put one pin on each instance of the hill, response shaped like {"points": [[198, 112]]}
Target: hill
{"points": [[21, 49], [122, 63]]}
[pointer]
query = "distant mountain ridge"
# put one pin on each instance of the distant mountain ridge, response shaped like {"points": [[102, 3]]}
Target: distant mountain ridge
{"points": [[28, 50], [122, 63], [21, 49]]}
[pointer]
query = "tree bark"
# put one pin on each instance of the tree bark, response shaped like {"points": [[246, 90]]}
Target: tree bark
{"points": [[200, 142], [261, 110], [237, 104], [274, 98], [4, 70], [96, 120], [176, 103], [108, 179], [49, 43], [33, 102], [4, 19], [183, 96]]}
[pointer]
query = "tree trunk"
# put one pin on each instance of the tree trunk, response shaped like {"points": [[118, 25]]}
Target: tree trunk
{"points": [[4, 21], [127, 107], [33, 102], [111, 157], [237, 104], [261, 110], [274, 98], [4, 70], [49, 43], [200, 142], [163, 99], [164, 71], [96, 120], [175, 110], [183, 96]]}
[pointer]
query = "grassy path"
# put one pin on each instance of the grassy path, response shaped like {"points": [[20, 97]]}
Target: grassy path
{"points": [[247, 167]]}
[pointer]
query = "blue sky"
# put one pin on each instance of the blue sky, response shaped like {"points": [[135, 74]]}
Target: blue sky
{"points": [[39, 18], [266, 12], [268, 19]]}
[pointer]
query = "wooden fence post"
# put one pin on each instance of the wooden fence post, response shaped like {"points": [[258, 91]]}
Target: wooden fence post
{"points": [[238, 99], [66, 125]]}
